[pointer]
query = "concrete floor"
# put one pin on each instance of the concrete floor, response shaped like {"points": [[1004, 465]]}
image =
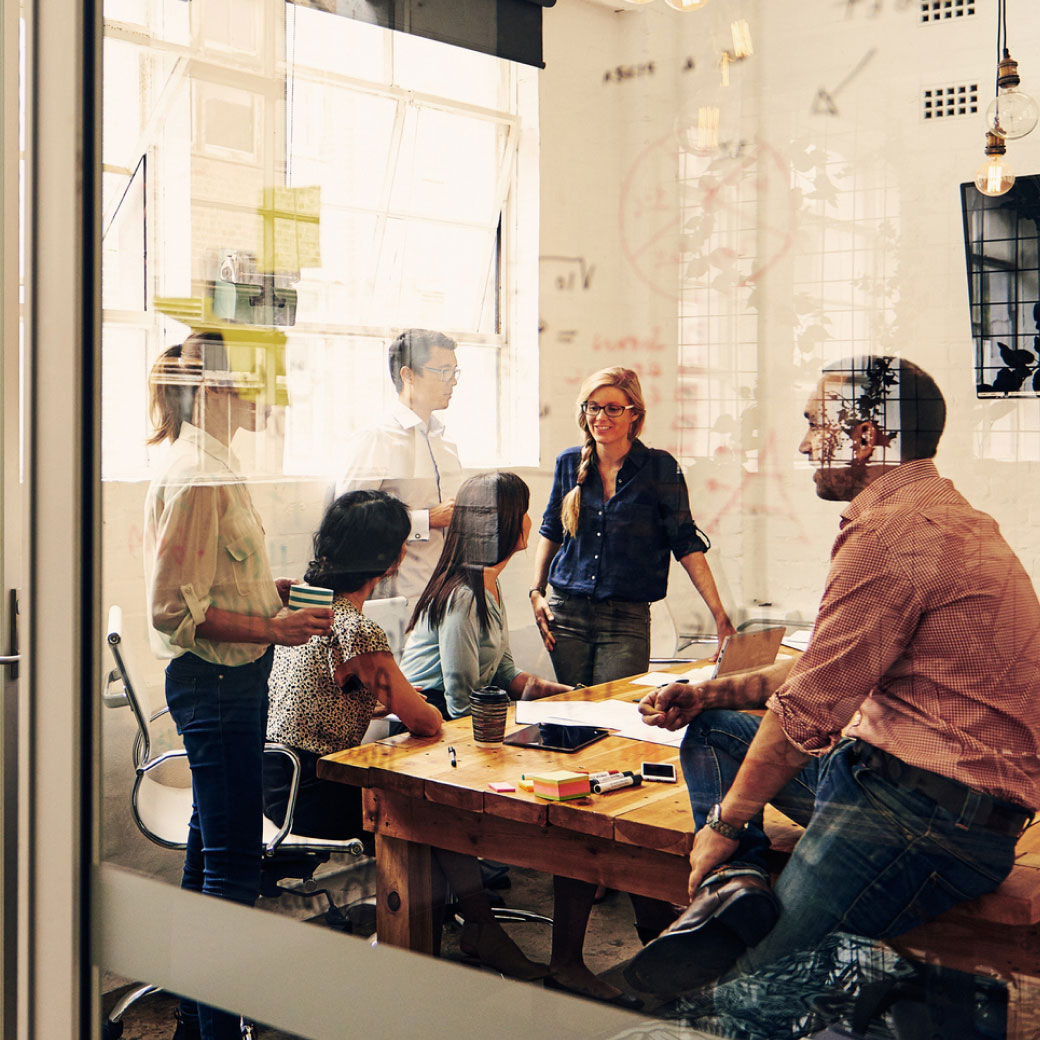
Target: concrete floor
{"points": [[611, 940]]}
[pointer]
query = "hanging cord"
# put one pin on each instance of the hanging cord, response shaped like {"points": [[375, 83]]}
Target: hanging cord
{"points": [[1000, 25]]}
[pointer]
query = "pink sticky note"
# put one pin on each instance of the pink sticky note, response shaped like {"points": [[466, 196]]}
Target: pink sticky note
{"points": [[501, 787]]}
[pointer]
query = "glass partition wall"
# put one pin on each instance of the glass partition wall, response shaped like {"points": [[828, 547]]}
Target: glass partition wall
{"points": [[283, 191], [287, 189]]}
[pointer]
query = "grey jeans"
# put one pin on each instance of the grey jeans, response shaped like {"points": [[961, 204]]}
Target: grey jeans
{"points": [[598, 641]]}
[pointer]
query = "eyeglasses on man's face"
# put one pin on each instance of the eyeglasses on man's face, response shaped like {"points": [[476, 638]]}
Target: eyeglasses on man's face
{"points": [[445, 375], [613, 411]]}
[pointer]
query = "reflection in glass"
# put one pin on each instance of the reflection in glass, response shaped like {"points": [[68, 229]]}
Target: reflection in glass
{"points": [[1000, 245]]}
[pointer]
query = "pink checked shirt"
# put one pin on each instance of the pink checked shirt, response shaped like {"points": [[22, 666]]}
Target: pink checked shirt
{"points": [[927, 642]]}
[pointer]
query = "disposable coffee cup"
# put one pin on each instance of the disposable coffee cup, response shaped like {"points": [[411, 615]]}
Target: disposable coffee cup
{"points": [[309, 596], [488, 708]]}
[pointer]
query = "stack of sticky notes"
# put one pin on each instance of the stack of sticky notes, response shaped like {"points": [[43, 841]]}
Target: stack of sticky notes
{"points": [[560, 785]]}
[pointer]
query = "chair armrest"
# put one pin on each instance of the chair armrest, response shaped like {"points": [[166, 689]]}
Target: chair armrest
{"points": [[114, 698], [166, 756], [275, 748]]}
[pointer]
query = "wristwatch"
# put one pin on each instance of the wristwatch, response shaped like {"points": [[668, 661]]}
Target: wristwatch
{"points": [[716, 823], [540, 589]]}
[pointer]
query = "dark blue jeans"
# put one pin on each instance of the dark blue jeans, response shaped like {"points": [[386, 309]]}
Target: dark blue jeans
{"points": [[876, 858], [221, 715], [598, 641]]}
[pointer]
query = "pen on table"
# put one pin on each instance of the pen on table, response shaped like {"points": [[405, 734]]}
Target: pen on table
{"points": [[451, 755]]}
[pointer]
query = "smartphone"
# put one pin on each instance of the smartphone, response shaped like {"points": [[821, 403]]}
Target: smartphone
{"points": [[659, 772]]}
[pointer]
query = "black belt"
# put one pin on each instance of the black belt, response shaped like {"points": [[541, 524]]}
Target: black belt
{"points": [[973, 808]]}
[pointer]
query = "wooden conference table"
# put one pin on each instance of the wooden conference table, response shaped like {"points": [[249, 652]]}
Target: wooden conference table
{"points": [[636, 839]]}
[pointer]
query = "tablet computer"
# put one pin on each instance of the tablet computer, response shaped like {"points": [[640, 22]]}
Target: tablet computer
{"points": [[554, 736]]}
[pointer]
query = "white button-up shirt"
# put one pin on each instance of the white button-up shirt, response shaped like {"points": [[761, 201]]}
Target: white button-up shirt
{"points": [[203, 546], [417, 465]]}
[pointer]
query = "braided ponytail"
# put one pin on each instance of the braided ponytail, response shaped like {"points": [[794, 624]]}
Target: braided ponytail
{"points": [[571, 508]]}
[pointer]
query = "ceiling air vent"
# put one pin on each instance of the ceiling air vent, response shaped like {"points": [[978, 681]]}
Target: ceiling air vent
{"points": [[940, 10], [961, 99]]}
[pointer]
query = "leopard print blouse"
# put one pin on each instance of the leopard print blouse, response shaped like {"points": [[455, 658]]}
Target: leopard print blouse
{"points": [[308, 710]]}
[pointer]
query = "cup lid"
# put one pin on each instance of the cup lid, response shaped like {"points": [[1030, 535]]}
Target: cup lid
{"points": [[489, 695]]}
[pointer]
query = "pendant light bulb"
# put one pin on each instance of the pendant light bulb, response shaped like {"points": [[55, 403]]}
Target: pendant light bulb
{"points": [[995, 176], [1012, 113], [686, 5]]}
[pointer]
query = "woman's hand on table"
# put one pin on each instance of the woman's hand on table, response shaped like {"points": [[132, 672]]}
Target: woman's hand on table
{"points": [[543, 618], [295, 627], [534, 688]]}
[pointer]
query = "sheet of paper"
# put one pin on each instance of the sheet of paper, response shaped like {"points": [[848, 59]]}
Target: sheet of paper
{"points": [[693, 675], [652, 734], [798, 640], [616, 714]]}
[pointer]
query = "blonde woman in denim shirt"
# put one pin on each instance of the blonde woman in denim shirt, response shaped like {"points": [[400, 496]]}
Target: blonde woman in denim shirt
{"points": [[617, 511]]}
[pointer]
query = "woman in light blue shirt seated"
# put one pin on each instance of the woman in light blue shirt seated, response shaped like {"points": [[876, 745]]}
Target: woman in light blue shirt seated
{"points": [[458, 637], [458, 641]]}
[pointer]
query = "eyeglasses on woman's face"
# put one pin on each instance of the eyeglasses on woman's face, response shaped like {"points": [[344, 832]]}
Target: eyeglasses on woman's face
{"points": [[613, 411]]}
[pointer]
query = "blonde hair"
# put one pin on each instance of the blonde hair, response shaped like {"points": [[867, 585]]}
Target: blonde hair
{"points": [[628, 383]]}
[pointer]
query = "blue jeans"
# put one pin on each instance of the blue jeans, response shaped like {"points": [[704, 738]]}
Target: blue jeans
{"points": [[221, 715], [876, 858], [598, 641]]}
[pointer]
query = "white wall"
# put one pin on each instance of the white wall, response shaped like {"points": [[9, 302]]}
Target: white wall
{"points": [[832, 234]]}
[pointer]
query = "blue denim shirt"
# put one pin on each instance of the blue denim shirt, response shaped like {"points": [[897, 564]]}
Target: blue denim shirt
{"points": [[621, 548]]}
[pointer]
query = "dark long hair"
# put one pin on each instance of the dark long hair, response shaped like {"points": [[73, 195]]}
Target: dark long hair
{"points": [[360, 538], [485, 527]]}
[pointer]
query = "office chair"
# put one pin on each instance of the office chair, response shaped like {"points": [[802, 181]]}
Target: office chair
{"points": [[391, 615], [162, 810]]}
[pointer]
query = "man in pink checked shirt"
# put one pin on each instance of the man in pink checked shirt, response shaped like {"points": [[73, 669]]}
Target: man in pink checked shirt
{"points": [[906, 739]]}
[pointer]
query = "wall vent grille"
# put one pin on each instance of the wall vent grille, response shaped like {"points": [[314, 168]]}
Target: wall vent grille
{"points": [[960, 99], [940, 10]]}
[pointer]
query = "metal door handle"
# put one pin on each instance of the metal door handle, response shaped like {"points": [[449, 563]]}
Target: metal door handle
{"points": [[13, 659]]}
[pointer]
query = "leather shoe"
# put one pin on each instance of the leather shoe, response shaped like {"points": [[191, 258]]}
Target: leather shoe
{"points": [[726, 916]]}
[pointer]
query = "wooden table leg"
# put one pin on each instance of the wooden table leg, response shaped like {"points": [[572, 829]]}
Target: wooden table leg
{"points": [[404, 888]]}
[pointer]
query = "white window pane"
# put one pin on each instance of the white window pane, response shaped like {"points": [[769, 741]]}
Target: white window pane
{"points": [[121, 123], [448, 166], [472, 420], [430, 67], [341, 140], [432, 275], [318, 40], [340, 292], [124, 375], [124, 247], [133, 11]]}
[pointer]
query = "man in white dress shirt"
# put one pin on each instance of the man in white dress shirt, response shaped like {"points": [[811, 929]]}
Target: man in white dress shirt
{"points": [[408, 456]]}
